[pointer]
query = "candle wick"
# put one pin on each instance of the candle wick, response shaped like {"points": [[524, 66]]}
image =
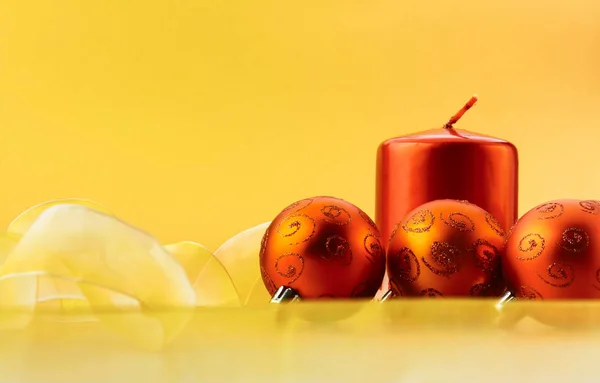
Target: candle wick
{"points": [[460, 113]]}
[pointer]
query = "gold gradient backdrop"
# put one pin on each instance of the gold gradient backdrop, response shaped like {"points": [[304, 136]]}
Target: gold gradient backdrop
{"points": [[198, 119]]}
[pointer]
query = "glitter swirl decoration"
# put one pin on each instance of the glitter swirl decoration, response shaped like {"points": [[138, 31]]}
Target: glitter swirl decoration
{"points": [[336, 215], [406, 265], [550, 210], [290, 266], [271, 288], [298, 205], [338, 250], [552, 251], [297, 228], [323, 247], [590, 206], [419, 222], [530, 247], [263, 242], [393, 233], [459, 221], [494, 224], [510, 231], [487, 256], [444, 259], [558, 275], [446, 246], [368, 220], [481, 290], [574, 240], [529, 293], [373, 248]]}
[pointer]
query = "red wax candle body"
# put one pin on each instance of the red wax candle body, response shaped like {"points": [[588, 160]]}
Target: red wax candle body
{"points": [[445, 163]]}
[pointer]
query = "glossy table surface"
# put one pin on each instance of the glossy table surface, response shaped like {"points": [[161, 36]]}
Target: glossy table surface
{"points": [[397, 341]]}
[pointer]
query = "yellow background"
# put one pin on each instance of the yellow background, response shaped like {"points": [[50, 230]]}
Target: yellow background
{"points": [[196, 119]]}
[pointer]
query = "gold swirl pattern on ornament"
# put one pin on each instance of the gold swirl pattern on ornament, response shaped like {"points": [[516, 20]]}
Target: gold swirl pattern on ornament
{"points": [[268, 282], [446, 258], [298, 228], [263, 243], [368, 220], [487, 255], [459, 221], [481, 290], [419, 222], [590, 207], [431, 293], [533, 244], [494, 224], [558, 274], [405, 265], [290, 266], [373, 248], [336, 215], [298, 205], [510, 231], [512, 228], [574, 240], [550, 210], [530, 294], [394, 232], [338, 250]]}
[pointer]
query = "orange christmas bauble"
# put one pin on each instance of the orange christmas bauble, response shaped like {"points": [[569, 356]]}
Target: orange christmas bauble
{"points": [[553, 252], [446, 248], [323, 247]]}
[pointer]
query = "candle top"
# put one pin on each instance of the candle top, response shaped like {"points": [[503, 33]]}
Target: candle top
{"points": [[448, 135]]}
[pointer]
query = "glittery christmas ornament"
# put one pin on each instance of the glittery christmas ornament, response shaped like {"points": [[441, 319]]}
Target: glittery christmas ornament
{"points": [[553, 252], [446, 248], [322, 248]]}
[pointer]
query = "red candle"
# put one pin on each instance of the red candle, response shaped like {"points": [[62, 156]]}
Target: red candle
{"points": [[445, 163]]}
